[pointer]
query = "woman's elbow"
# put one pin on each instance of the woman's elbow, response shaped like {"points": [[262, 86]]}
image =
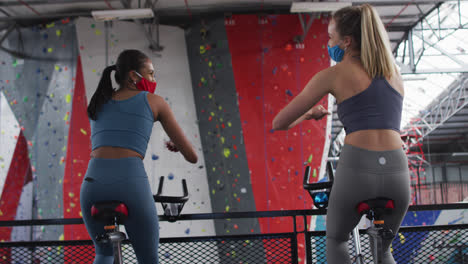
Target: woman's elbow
{"points": [[192, 158], [277, 126]]}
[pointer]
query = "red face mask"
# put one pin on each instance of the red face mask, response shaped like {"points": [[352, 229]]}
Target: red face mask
{"points": [[145, 85]]}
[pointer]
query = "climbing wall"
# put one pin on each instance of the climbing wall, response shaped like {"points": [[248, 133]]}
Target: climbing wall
{"points": [[269, 71], [220, 126], [245, 69], [38, 91], [174, 85], [221, 133]]}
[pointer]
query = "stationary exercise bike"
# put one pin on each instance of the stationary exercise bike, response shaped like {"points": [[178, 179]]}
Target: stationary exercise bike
{"points": [[114, 213], [374, 209]]}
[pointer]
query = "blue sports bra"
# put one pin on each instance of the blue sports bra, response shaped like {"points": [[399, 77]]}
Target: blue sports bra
{"points": [[377, 107], [124, 123]]}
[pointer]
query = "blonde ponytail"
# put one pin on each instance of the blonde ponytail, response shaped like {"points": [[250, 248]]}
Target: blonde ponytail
{"points": [[376, 55]]}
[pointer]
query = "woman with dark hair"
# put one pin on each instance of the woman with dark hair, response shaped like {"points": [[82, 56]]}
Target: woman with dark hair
{"points": [[121, 125], [369, 93]]}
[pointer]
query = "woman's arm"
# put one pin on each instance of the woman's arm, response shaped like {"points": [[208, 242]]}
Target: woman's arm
{"points": [[297, 110], [317, 112], [166, 117]]}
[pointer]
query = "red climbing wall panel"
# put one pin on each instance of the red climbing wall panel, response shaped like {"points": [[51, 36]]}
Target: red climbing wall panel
{"points": [[78, 149], [269, 70], [19, 174]]}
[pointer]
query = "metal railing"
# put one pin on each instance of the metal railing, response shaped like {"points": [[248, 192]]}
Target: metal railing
{"points": [[420, 244]]}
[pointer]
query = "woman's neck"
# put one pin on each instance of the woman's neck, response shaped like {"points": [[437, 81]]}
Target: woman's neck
{"points": [[352, 55], [129, 87]]}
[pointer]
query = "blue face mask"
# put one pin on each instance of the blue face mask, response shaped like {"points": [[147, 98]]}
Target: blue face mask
{"points": [[336, 53]]}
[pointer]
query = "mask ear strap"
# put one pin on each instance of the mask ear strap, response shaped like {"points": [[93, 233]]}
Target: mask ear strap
{"points": [[139, 75]]}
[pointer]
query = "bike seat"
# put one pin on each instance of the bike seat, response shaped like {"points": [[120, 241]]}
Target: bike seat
{"points": [[378, 205], [107, 211]]}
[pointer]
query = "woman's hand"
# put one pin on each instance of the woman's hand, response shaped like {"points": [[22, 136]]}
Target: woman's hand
{"points": [[171, 146], [317, 112]]}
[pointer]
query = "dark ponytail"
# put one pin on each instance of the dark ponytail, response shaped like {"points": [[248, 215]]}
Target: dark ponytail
{"points": [[128, 60], [103, 92]]}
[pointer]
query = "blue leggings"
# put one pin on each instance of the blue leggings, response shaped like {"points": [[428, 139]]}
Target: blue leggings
{"points": [[124, 180]]}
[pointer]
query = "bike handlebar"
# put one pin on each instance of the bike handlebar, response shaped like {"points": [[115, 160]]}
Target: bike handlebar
{"points": [[318, 185], [158, 198]]}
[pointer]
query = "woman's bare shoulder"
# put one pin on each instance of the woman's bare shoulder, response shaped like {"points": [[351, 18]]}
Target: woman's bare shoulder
{"points": [[155, 99]]}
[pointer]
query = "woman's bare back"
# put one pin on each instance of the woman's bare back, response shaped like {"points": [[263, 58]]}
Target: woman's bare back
{"points": [[351, 79]]}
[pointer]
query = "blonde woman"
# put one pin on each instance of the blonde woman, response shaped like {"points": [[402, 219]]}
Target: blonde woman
{"points": [[369, 93]]}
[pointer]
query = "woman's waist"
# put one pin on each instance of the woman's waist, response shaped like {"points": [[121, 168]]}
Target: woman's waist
{"points": [[109, 152], [112, 170], [380, 161], [375, 139]]}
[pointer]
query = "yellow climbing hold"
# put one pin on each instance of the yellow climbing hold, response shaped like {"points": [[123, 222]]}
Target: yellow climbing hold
{"points": [[402, 238], [68, 98], [202, 49], [227, 152]]}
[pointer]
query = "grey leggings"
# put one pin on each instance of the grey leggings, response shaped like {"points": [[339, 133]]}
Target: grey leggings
{"points": [[361, 175]]}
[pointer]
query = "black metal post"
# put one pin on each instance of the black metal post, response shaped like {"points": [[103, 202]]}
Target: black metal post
{"points": [[308, 242], [294, 253]]}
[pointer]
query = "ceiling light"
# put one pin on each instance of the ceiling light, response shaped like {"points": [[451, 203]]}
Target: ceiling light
{"points": [[106, 15], [312, 7]]}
